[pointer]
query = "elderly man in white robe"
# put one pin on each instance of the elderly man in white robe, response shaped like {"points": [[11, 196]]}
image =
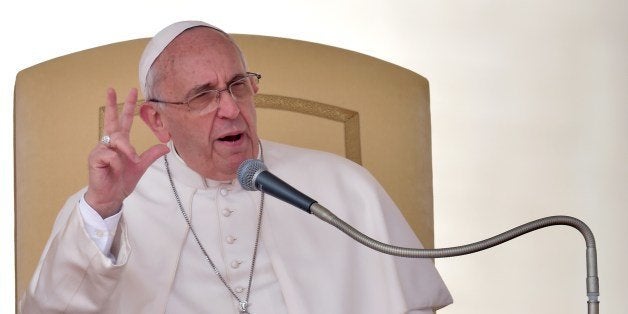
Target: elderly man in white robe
{"points": [[171, 230]]}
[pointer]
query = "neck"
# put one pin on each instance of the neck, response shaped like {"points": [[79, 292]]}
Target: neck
{"points": [[213, 174]]}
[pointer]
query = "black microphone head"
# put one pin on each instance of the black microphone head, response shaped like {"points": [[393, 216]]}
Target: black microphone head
{"points": [[248, 171]]}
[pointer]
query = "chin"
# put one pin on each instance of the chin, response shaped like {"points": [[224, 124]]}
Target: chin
{"points": [[233, 163]]}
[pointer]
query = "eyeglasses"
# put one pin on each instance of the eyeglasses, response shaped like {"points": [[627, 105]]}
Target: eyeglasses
{"points": [[208, 100]]}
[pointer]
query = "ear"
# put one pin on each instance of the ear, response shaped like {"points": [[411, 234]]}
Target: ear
{"points": [[255, 88], [153, 118]]}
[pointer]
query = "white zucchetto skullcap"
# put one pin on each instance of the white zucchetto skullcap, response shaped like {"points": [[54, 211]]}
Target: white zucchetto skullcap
{"points": [[159, 42]]}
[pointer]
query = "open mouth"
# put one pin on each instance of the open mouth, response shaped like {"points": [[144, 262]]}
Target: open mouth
{"points": [[231, 138]]}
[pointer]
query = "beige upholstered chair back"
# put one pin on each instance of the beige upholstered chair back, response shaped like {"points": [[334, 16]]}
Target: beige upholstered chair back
{"points": [[311, 95]]}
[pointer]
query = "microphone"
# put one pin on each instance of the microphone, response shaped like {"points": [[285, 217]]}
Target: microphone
{"points": [[254, 176]]}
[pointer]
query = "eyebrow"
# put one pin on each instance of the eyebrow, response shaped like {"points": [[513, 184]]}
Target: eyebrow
{"points": [[208, 86]]}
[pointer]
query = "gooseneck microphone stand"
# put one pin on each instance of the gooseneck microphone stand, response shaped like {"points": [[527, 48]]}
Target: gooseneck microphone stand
{"points": [[253, 175], [592, 279]]}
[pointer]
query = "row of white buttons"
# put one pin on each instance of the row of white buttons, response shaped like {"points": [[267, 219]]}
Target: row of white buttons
{"points": [[224, 191], [231, 239], [227, 212], [235, 264]]}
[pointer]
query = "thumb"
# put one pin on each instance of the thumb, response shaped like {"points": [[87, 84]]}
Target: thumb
{"points": [[151, 154]]}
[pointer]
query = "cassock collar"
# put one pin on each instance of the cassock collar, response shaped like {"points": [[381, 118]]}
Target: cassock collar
{"points": [[181, 172]]}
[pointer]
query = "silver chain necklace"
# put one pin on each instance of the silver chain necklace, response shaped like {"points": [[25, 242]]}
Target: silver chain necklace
{"points": [[243, 303]]}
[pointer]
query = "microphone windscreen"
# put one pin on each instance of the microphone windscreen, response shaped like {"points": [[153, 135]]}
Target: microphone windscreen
{"points": [[247, 171]]}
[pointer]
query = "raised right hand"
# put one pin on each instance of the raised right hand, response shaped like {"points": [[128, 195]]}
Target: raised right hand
{"points": [[115, 169]]}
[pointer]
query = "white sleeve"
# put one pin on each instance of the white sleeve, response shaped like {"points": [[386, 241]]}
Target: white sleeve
{"points": [[73, 274], [101, 231]]}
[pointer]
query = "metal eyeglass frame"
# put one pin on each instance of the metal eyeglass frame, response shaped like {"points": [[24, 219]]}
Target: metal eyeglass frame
{"points": [[248, 75]]}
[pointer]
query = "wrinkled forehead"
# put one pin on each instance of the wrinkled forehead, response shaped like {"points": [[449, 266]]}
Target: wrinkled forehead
{"points": [[160, 41]]}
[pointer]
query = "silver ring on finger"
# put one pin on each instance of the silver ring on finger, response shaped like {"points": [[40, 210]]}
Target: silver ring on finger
{"points": [[106, 140]]}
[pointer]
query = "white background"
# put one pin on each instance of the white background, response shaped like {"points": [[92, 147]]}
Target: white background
{"points": [[529, 105]]}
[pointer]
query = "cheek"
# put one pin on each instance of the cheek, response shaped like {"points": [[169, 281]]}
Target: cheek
{"points": [[189, 129], [197, 130], [250, 116]]}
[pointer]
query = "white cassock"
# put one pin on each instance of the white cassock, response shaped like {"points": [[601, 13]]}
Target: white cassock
{"points": [[303, 264]]}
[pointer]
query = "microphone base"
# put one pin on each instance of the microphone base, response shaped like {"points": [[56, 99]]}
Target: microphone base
{"points": [[593, 307]]}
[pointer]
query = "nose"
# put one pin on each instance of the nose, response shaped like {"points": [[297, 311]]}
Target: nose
{"points": [[227, 106]]}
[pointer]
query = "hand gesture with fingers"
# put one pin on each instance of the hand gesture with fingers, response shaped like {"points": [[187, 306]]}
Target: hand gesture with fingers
{"points": [[114, 166]]}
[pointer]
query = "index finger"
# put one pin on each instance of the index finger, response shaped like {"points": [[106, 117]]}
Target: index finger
{"points": [[111, 112]]}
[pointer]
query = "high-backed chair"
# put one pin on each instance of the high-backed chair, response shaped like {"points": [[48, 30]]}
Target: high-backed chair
{"points": [[311, 95]]}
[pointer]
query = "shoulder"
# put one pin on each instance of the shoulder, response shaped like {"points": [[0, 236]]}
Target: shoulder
{"points": [[308, 167], [153, 182], [282, 157]]}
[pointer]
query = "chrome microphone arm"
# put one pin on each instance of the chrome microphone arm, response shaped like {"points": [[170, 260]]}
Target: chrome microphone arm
{"points": [[592, 281], [253, 175]]}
